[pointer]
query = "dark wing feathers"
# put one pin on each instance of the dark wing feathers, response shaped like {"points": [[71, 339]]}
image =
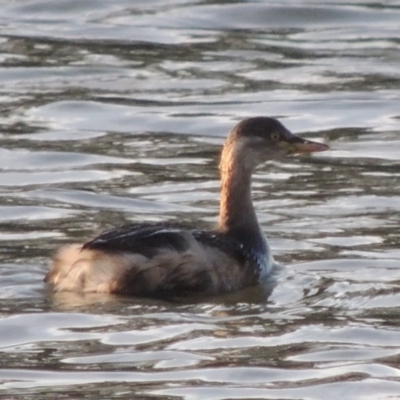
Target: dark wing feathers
{"points": [[149, 238], [144, 239]]}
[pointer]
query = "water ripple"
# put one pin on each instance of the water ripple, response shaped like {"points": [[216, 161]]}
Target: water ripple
{"points": [[113, 112]]}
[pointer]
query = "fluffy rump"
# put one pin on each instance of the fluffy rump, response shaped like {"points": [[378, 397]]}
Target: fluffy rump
{"points": [[76, 269]]}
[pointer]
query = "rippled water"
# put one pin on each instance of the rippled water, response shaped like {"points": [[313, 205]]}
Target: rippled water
{"points": [[115, 111]]}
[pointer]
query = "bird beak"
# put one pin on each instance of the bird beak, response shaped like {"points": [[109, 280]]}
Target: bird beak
{"points": [[297, 145]]}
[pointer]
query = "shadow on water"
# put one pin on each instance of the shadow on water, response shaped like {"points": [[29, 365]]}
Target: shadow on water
{"points": [[257, 295]]}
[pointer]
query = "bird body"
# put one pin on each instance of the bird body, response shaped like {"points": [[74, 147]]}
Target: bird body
{"points": [[168, 260], [155, 260]]}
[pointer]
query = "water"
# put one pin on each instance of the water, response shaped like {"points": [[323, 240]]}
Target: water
{"points": [[115, 111]]}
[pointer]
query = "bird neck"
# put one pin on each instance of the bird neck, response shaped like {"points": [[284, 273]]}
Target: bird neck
{"points": [[237, 216]]}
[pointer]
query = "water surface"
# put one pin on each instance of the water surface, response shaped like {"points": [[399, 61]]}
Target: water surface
{"points": [[115, 111]]}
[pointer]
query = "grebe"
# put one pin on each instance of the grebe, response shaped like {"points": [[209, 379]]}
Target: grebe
{"points": [[168, 260]]}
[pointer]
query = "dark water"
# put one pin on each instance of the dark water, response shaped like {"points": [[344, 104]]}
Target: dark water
{"points": [[115, 111]]}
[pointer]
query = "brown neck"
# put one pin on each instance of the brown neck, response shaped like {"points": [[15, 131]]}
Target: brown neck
{"points": [[237, 216]]}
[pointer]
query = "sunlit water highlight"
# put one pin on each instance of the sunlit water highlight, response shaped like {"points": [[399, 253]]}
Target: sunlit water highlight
{"points": [[116, 111]]}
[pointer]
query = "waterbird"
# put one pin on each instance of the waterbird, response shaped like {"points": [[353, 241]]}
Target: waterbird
{"points": [[167, 260]]}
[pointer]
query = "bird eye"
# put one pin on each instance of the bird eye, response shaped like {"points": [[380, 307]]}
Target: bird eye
{"points": [[275, 136]]}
